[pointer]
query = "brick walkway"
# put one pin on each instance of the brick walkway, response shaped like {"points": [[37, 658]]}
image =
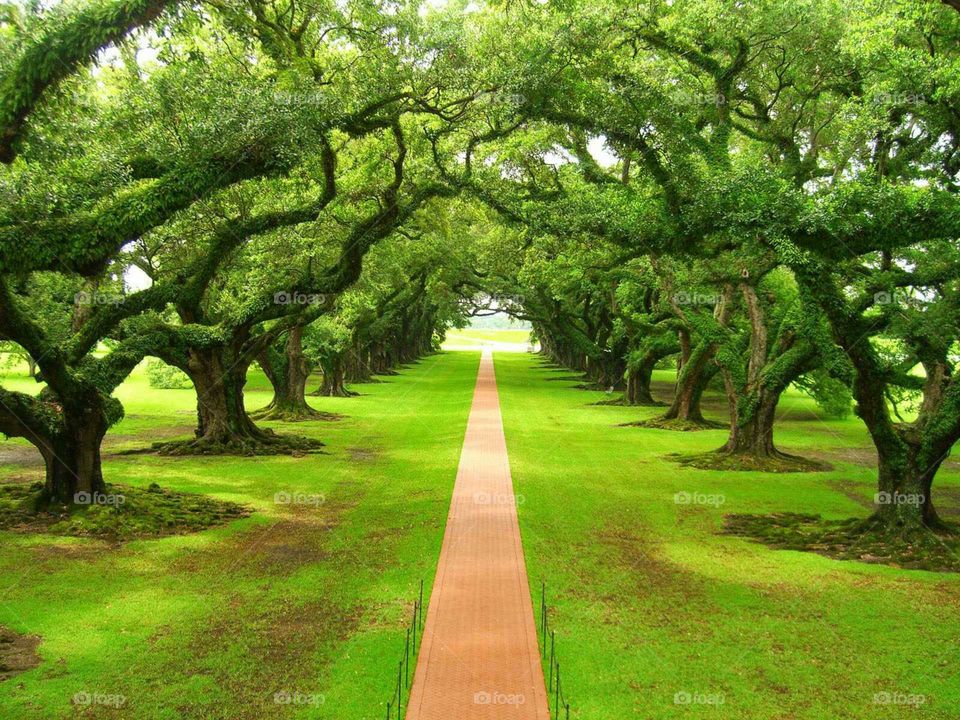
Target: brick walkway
{"points": [[479, 658]]}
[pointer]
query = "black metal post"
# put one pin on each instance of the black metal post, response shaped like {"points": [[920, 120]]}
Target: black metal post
{"points": [[553, 640], [415, 606], [556, 703], [406, 660]]}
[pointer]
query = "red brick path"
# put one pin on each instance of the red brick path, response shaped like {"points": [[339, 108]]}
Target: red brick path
{"points": [[479, 659]]}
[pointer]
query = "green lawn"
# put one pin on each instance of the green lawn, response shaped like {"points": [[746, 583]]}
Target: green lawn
{"points": [[650, 602], [307, 598]]}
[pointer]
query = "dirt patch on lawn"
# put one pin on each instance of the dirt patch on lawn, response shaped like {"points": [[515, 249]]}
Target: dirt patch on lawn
{"points": [[18, 653], [263, 653], [296, 540], [359, 454], [645, 574]]}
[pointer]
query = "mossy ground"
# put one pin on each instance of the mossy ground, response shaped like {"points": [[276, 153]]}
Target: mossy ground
{"points": [[124, 513], [738, 462], [851, 539], [674, 424]]}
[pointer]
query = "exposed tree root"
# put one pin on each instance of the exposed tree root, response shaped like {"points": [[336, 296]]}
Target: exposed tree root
{"points": [[622, 402], [266, 443], [659, 423], [271, 412], [343, 392], [868, 540]]}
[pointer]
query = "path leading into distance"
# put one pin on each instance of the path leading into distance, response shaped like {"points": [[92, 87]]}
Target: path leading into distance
{"points": [[479, 659]]}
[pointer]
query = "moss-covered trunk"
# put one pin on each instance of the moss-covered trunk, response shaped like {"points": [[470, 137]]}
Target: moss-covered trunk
{"points": [[334, 383], [691, 382], [287, 370], [71, 456]]}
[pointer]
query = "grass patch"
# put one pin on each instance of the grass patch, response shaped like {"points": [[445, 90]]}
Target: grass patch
{"points": [[850, 539], [650, 600], [122, 513], [309, 595]]}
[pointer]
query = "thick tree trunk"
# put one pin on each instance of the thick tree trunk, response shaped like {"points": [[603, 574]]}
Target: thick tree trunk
{"points": [[691, 383], [221, 416], [288, 373], [754, 436], [607, 372], [72, 460], [333, 379], [905, 485], [223, 426], [638, 382]]}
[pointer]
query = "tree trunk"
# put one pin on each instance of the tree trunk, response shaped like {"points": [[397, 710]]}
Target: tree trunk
{"points": [[905, 485], [638, 382], [691, 383], [221, 416], [287, 372], [333, 379], [72, 459], [754, 436], [223, 425]]}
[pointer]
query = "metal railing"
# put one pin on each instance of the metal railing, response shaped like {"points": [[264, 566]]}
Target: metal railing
{"points": [[395, 706], [556, 701]]}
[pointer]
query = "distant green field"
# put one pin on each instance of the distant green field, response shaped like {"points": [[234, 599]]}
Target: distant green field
{"points": [[470, 337]]}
